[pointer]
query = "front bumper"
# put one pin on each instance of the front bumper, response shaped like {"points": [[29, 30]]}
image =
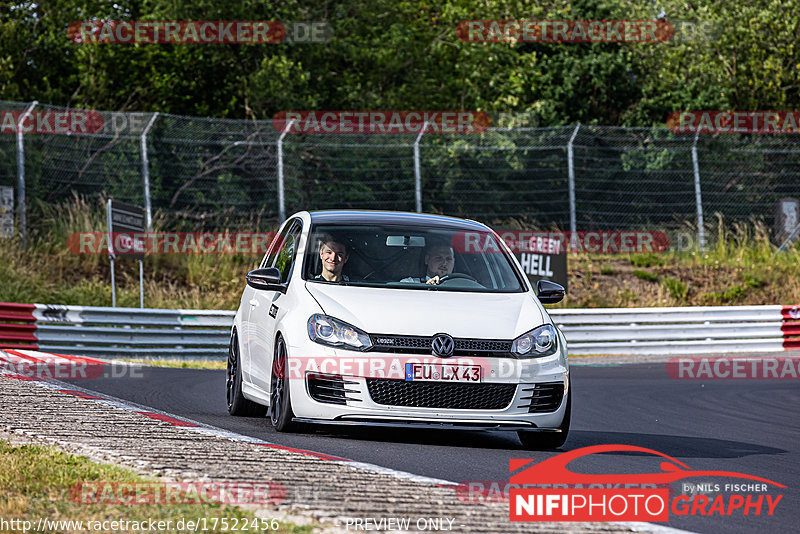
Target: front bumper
{"points": [[360, 408], [430, 425]]}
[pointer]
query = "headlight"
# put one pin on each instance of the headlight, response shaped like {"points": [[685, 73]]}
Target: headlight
{"points": [[335, 333], [541, 341]]}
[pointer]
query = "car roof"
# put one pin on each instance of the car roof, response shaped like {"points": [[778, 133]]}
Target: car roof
{"points": [[393, 217]]}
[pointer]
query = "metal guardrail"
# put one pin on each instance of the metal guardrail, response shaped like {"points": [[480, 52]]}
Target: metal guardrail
{"points": [[680, 330], [101, 331], [17, 326]]}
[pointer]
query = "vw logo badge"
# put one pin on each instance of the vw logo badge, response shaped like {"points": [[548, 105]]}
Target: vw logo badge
{"points": [[443, 345]]}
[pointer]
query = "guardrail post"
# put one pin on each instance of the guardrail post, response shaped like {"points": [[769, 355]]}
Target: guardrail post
{"points": [[111, 253], [148, 215], [571, 180], [418, 170], [281, 186], [21, 213], [701, 231], [141, 284]]}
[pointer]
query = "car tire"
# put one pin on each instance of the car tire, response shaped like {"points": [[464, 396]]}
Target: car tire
{"points": [[280, 402], [237, 403], [532, 440]]}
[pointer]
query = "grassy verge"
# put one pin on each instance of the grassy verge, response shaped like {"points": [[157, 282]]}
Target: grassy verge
{"points": [[46, 271], [740, 266], [35, 482]]}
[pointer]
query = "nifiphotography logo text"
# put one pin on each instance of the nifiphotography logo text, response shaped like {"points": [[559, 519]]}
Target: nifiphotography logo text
{"points": [[549, 491]]}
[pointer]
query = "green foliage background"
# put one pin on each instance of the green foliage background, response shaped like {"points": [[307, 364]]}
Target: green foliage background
{"points": [[390, 54]]}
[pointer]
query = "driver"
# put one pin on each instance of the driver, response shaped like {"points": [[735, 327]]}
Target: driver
{"points": [[439, 262], [333, 254]]}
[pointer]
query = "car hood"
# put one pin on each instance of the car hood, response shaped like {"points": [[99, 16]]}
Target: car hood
{"points": [[425, 313]]}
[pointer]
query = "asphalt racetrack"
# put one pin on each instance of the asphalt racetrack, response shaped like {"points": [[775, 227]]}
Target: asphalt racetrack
{"points": [[745, 426]]}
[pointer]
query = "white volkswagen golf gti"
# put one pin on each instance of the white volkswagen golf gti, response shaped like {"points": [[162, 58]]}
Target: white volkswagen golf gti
{"points": [[398, 319]]}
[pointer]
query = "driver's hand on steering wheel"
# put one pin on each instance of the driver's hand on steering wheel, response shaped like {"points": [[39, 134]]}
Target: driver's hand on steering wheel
{"points": [[433, 281]]}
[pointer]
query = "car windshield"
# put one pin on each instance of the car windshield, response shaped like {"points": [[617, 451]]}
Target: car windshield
{"points": [[410, 257]]}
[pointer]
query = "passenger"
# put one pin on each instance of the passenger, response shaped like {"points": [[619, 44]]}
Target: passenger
{"points": [[333, 253], [439, 262]]}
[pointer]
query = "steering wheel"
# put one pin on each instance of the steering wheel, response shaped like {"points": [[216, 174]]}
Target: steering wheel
{"points": [[456, 276]]}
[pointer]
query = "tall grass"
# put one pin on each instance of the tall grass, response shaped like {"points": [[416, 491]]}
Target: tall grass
{"points": [[757, 271], [47, 271], [740, 265], [747, 247]]}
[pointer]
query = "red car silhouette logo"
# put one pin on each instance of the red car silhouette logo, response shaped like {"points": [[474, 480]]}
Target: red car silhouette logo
{"points": [[554, 470]]}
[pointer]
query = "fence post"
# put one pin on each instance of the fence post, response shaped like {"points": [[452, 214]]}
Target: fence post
{"points": [[701, 232], [21, 213], [571, 180], [281, 191], [111, 253], [418, 170], [148, 214]]}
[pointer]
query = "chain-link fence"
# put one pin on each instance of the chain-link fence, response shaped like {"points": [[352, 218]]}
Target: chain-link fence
{"points": [[219, 173]]}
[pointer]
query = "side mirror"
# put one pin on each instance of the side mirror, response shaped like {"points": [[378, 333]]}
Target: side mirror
{"points": [[269, 278], [549, 292]]}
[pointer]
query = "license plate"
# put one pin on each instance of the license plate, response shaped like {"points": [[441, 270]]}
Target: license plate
{"points": [[442, 372]]}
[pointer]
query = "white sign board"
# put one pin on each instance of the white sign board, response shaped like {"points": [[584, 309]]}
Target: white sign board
{"points": [[6, 212], [787, 219]]}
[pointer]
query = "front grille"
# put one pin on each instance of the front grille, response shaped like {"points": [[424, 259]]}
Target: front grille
{"points": [[330, 389], [437, 395], [543, 397], [483, 345], [422, 345], [400, 343]]}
